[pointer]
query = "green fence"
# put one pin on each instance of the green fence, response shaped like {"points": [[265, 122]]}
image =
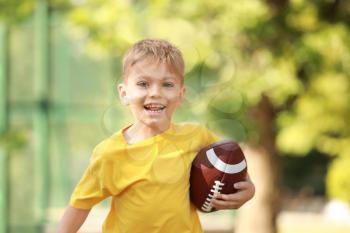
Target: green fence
{"points": [[62, 103]]}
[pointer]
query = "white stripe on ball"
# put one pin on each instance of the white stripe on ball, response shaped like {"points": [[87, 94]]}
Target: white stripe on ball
{"points": [[222, 166]]}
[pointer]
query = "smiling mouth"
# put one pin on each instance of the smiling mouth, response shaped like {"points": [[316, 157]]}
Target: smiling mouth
{"points": [[154, 108]]}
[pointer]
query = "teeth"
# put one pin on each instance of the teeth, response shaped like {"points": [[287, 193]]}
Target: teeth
{"points": [[154, 107], [155, 110]]}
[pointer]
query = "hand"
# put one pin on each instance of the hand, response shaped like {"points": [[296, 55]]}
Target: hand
{"points": [[246, 191]]}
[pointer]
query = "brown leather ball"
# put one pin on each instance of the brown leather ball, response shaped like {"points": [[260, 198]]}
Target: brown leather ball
{"points": [[215, 169]]}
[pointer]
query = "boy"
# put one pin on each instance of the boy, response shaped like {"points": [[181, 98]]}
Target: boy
{"points": [[145, 166]]}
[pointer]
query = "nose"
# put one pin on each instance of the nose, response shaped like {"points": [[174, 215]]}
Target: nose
{"points": [[154, 91]]}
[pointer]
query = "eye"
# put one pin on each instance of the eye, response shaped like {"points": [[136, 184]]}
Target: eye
{"points": [[142, 84], [168, 84]]}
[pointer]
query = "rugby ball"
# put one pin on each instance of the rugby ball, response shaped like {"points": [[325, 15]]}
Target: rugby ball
{"points": [[214, 170]]}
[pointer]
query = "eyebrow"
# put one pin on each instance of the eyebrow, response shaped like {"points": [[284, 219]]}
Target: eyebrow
{"points": [[148, 77], [169, 77]]}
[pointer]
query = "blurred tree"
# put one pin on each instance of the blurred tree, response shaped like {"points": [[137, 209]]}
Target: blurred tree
{"points": [[14, 11], [283, 63]]}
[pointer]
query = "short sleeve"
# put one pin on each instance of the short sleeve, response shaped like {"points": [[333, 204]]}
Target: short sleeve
{"points": [[90, 190], [209, 136]]}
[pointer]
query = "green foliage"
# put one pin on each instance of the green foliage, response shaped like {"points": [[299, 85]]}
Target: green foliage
{"points": [[318, 118], [14, 11], [338, 182]]}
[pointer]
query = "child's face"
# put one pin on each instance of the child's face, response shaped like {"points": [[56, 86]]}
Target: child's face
{"points": [[152, 92]]}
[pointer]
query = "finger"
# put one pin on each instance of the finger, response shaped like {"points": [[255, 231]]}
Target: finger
{"points": [[247, 187], [243, 185], [229, 197], [220, 204], [235, 197]]}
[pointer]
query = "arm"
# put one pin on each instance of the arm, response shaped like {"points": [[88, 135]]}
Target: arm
{"points": [[72, 220], [246, 191]]}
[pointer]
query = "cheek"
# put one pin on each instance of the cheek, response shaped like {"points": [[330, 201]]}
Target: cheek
{"points": [[173, 103], [175, 98], [173, 95], [136, 97]]}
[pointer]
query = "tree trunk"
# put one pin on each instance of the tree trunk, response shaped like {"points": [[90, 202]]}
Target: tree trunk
{"points": [[259, 214]]}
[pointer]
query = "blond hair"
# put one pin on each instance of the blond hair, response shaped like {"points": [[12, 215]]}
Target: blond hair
{"points": [[160, 50]]}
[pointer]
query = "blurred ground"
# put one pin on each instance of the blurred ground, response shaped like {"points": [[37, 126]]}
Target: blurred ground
{"points": [[292, 222], [219, 222], [223, 222]]}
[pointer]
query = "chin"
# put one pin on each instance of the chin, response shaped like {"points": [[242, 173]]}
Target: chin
{"points": [[154, 123]]}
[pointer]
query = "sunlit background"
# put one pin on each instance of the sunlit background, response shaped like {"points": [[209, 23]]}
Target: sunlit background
{"points": [[271, 74]]}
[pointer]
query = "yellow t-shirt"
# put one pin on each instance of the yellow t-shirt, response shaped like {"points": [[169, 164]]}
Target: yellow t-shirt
{"points": [[148, 181]]}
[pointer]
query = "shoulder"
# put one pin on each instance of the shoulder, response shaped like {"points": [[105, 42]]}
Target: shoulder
{"points": [[191, 127], [186, 129], [102, 150], [187, 125], [197, 134], [194, 130]]}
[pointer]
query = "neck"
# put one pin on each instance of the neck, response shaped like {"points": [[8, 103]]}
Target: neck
{"points": [[139, 131]]}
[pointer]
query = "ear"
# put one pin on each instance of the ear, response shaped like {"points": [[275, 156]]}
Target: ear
{"points": [[182, 94], [122, 94]]}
